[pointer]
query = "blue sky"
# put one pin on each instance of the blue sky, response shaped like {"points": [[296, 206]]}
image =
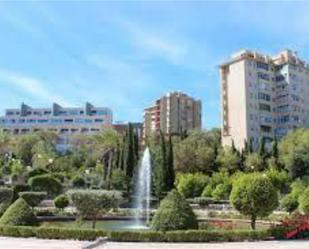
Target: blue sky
{"points": [[126, 54]]}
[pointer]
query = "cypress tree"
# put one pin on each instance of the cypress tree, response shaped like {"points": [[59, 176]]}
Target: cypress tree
{"points": [[233, 146], [274, 149], [129, 155], [250, 147], [262, 147], [170, 178]]}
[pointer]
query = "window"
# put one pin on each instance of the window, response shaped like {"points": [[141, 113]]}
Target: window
{"points": [[262, 65], [42, 121], [264, 96], [263, 76], [264, 107]]}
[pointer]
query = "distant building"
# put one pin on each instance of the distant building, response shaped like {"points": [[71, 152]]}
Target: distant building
{"points": [[65, 121], [173, 113], [263, 97]]}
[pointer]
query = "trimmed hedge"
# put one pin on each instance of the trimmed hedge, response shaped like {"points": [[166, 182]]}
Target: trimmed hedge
{"points": [[19, 213], [69, 233], [189, 236], [33, 198], [135, 236]]}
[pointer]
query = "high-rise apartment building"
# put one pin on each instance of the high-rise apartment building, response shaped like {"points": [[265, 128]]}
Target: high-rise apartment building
{"points": [[263, 96], [64, 121], [173, 113]]}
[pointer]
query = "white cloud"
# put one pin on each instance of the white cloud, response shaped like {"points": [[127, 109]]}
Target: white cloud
{"points": [[33, 86], [155, 43]]}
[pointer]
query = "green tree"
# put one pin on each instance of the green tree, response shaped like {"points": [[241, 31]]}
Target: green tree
{"points": [[93, 203], [191, 185], [197, 153], [254, 195], [254, 162], [228, 159], [170, 165], [293, 153], [160, 167], [304, 201]]}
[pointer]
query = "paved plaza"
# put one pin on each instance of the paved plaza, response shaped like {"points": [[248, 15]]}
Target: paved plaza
{"points": [[32, 243]]}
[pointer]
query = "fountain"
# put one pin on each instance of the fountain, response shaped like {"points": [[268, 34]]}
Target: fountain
{"points": [[143, 191]]}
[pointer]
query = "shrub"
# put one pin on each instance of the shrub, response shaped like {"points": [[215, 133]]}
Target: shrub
{"points": [[19, 188], [36, 172], [207, 192], [61, 201], [18, 231], [202, 201], [118, 180], [221, 192], [6, 197], [69, 233], [289, 203], [19, 213], [191, 185], [78, 182], [92, 203], [174, 213], [280, 179], [45, 183], [304, 202], [188, 236], [254, 195], [33, 199]]}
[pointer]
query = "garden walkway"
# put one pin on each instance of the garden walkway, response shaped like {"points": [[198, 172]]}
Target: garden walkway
{"points": [[32, 243]]}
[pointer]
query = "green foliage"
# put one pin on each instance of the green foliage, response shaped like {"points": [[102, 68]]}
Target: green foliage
{"points": [[160, 167], [289, 203], [293, 153], [174, 213], [6, 197], [19, 213], [78, 182], [92, 203], [36, 172], [188, 236], [254, 162], [219, 186], [45, 183], [254, 195], [33, 199], [18, 231], [19, 188], [170, 173], [191, 185], [221, 192], [61, 201], [197, 152], [304, 202], [229, 160], [118, 180], [280, 179]]}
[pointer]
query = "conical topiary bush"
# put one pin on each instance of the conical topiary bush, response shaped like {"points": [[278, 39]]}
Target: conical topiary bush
{"points": [[19, 213], [174, 213]]}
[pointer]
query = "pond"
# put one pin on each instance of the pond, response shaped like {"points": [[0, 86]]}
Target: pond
{"points": [[110, 225]]}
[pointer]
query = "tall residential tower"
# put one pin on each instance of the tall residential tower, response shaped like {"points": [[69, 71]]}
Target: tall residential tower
{"points": [[173, 113], [263, 96]]}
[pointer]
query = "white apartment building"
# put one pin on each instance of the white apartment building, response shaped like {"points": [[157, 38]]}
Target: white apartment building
{"points": [[263, 96]]}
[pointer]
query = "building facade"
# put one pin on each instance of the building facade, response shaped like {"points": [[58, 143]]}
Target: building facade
{"points": [[173, 113], [64, 121], [263, 97]]}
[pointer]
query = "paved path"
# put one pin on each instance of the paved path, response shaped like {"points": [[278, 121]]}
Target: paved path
{"points": [[32, 243]]}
